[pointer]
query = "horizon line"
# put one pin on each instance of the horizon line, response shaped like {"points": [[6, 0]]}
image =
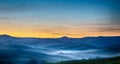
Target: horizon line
{"points": [[54, 37]]}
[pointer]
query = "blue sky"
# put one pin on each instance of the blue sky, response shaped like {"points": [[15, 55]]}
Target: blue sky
{"points": [[81, 15]]}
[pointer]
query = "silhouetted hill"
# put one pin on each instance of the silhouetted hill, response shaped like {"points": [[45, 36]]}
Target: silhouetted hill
{"points": [[5, 36]]}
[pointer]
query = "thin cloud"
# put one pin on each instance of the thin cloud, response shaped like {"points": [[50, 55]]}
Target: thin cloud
{"points": [[3, 18], [112, 23], [55, 33], [15, 5], [109, 29]]}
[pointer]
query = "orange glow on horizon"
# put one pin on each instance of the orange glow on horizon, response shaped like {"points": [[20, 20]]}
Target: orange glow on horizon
{"points": [[20, 30], [45, 35]]}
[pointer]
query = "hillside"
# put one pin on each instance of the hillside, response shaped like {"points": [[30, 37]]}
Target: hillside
{"points": [[115, 60], [52, 50]]}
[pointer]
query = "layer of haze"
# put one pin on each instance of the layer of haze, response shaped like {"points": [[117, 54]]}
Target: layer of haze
{"points": [[56, 18]]}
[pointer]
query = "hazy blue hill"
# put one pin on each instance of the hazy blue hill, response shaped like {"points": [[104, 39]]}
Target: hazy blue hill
{"points": [[66, 43], [22, 53], [114, 60], [96, 41], [18, 49], [101, 41], [13, 46], [113, 48], [72, 46]]}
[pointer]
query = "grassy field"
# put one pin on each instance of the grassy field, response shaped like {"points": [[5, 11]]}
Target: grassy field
{"points": [[115, 60]]}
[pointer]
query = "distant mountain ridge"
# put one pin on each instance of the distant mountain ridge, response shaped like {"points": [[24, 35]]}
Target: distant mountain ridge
{"points": [[58, 49], [65, 42], [65, 37], [5, 35], [96, 41]]}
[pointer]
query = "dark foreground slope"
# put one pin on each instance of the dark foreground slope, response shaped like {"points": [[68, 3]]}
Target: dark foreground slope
{"points": [[115, 60]]}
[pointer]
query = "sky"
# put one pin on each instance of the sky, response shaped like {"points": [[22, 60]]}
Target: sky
{"points": [[57, 18]]}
